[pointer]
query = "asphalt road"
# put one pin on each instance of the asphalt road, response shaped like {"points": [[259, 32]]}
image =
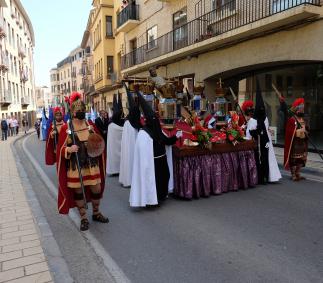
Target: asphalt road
{"points": [[271, 233]]}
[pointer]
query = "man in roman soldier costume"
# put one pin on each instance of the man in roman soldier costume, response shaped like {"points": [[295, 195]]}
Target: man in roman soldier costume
{"points": [[80, 149], [296, 140], [52, 136], [248, 111]]}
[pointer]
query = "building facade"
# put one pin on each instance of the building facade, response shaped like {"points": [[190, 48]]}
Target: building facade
{"points": [[17, 86], [276, 41], [67, 76], [101, 37], [44, 99]]}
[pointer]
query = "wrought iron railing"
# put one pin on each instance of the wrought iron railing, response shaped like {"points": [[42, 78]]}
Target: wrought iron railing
{"points": [[230, 16], [131, 12]]}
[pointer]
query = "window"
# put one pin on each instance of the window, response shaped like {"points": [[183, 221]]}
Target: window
{"points": [[109, 64], [180, 28], [152, 37], [108, 20], [282, 5], [223, 4], [13, 37], [9, 29]]}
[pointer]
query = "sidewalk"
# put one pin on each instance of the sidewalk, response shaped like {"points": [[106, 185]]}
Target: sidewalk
{"points": [[22, 257], [314, 163]]}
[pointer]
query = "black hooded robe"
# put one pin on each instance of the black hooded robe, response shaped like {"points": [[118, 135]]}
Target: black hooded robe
{"points": [[160, 161]]}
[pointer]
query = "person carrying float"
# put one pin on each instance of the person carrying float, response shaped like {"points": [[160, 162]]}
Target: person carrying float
{"points": [[53, 136], [80, 165]]}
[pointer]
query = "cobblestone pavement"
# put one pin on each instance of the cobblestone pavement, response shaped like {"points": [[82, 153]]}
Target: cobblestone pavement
{"points": [[21, 255]]}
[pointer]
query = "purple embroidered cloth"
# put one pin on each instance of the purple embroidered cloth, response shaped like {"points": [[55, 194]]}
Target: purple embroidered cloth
{"points": [[205, 175]]}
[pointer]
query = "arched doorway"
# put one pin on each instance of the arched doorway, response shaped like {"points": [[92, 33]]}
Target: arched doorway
{"points": [[293, 79]]}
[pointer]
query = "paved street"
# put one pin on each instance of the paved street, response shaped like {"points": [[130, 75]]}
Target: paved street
{"points": [[270, 233]]}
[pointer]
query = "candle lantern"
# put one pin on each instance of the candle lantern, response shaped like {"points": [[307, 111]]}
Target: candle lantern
{"points": [[220, 105]]}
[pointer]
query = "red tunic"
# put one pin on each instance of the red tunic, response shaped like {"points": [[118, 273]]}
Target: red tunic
{"points": [[291, 127], [66, 195], [50, 154]]}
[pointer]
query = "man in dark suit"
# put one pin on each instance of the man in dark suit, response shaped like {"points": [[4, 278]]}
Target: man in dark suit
{"points": [[102, 123]]}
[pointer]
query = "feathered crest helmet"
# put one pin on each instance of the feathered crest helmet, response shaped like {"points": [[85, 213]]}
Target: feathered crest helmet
{"points": [[57, 110], [76, 103], [298, 104], [247, 105]]}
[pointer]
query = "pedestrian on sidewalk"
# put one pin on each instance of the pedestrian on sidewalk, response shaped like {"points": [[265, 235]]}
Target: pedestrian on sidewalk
{"points": [[4, 129], [73, 156], [13, 126], [10, 127], [25, 124], [8, 123]]}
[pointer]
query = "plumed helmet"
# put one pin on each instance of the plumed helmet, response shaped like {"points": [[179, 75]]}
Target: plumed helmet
{"points": [[57, 110], [298, 104], [247, 105], [76, 103]]}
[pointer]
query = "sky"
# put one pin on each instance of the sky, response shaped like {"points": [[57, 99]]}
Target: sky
{"points": [[58, 26]]}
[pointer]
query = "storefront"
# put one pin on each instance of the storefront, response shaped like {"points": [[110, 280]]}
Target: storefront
{"points": [[293, 81]]}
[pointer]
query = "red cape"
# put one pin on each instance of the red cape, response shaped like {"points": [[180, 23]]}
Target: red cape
{"points": [[66, 195], [290, 131]]}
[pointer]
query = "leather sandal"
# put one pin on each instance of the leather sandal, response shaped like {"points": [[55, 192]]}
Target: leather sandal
{"points": [[84, 225], [100, 218]]}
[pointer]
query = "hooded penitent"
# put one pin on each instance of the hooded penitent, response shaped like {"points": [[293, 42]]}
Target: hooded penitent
{"points": [[260, 114], [152, 124], [117, 110], [134, 112]]}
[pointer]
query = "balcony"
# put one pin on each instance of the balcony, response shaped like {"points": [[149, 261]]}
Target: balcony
{"points": [[5, 99], [128, 18], [4, 62], [237, 20], [24, 102]]}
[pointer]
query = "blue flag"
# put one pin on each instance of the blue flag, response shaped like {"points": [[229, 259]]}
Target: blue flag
{"points": [[49, 120], [44, 125]]}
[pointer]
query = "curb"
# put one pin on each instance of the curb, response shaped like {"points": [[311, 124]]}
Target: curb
{"points": [[112, 269], [56, 262]]}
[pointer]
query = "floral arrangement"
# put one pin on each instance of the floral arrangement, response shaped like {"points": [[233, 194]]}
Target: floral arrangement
{"points": [[234, 133], [200, 134]]}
